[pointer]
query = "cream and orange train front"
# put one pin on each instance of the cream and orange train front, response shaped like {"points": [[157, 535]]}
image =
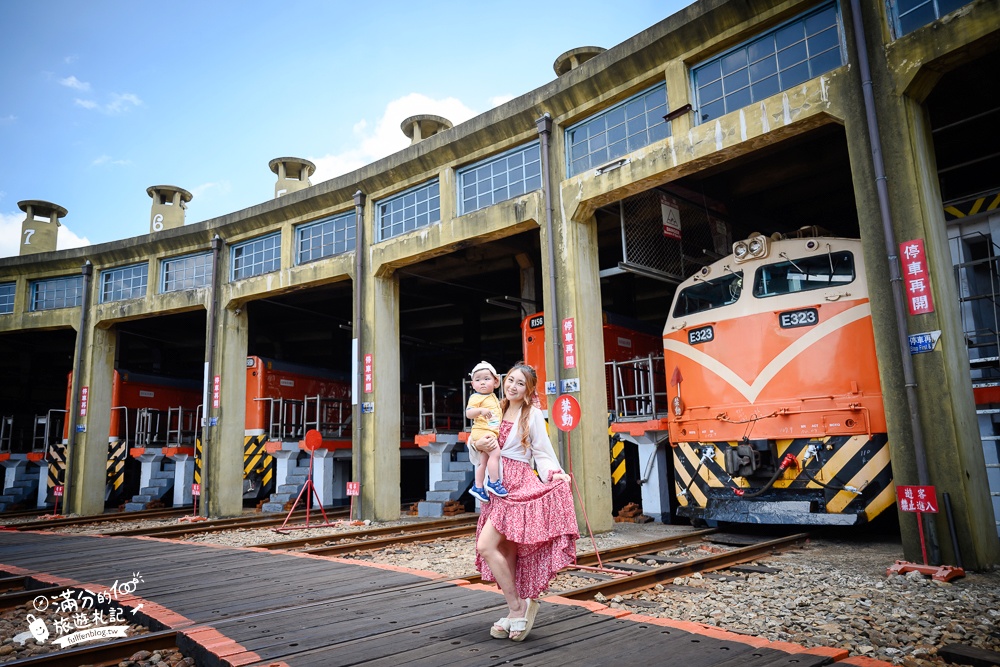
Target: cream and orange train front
{"points": [[776, 411]]}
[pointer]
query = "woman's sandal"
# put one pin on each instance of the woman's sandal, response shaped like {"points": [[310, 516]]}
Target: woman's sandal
{"points": [[501, 629], [522, 626]]}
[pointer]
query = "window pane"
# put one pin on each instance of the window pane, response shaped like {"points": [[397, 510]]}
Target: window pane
{"points": [[789, 35], [783, 50], [765, 88], [256, 257], [822, 41], [804, 274], [824, 62], [738, 100], [507, 175], [709, 294], [793, 76], [711, 92], [7, 298], [761, 49], [763, 69], [713, 110], [735, 81], [792, 56], [820, 21], [734, 61]]}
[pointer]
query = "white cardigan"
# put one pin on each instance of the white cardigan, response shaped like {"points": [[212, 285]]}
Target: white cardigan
{"points": [[540, 453]]}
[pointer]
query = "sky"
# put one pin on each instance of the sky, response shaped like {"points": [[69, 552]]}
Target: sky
{"points": [[104, 98]]}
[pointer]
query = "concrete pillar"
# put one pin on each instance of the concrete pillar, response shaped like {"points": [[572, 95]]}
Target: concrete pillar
{"points": [[222, 467], [87, 453], [654, 457], [578, 293], [11, 466], [322, 475], [380, 429], [43, 484], [438, 456], [183, 478], [678, 79], [946, 407], [149, 464]]}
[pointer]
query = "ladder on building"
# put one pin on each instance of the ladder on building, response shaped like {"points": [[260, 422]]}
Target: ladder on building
{"points": [[976, 260]]}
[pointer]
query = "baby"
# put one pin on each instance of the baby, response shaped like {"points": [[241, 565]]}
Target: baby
{"points": [[484, 409]]}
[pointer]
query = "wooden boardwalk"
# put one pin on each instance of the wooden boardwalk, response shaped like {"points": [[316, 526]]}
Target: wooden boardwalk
{"points": [[247, 607]]}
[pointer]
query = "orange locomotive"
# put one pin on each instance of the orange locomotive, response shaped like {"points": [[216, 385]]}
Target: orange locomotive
{"points": [[775, 406]]}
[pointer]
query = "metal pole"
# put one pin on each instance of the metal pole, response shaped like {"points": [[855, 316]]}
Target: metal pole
{"points": [[359, 371], [552, 307], [913, 403], [211, 323], [74, 397]]}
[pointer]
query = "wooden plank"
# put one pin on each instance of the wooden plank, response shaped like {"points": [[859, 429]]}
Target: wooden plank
{"points": [[964, 654]]}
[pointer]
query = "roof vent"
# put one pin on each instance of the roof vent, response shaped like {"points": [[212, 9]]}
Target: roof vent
{"points": [[574, 58], [40, 227], [169, 204], [423, 126], [293, 174]]}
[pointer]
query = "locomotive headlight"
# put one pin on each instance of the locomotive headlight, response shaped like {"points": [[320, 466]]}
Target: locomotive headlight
{"points": [[740, 251], [757, 246], [678, 406]]}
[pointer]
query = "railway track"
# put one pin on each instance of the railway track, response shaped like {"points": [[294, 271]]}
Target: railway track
{"points": [[42, 524]]}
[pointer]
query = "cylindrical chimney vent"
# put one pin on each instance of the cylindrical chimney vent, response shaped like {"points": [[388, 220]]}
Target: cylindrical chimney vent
{"points": [[575, 57], [293, 174], [40, 227], [169, 204], [423, 126]]}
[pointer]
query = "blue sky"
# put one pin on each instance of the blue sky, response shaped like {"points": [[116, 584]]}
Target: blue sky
{"points": [[104, 98]]}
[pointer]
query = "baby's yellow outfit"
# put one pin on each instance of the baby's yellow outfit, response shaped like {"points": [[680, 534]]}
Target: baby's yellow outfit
{"points": [[481, 426]]}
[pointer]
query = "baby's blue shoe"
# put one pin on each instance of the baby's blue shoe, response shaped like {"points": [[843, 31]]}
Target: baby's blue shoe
{"points": [[480, 493], [497, 488]]}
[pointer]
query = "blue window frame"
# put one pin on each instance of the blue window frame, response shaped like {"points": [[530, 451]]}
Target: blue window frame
{"points": [[188, 272], [625, 127], [792, 53], [325, 238], [499, 178], [55, 293], [913, 14], [7, 298], [127, 282], [417, 207], [256, 257]]}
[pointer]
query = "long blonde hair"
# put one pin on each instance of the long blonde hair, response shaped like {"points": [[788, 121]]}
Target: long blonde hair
{"points": [[530, 384]]}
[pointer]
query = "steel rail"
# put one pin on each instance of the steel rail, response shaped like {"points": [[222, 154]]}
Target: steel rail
{"points": [[109, 653], [643, 580], [100, 518], [388, 530], [637, 550], [364, 545], [213, 525]]}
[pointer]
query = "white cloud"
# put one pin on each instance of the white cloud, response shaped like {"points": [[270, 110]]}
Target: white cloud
{"points": [[108, 160], [69, 60], [120, 103], [123, 102], [212, 188], [9, 118], [10, 236], [74, 83], [386, 137], [500, 99]]}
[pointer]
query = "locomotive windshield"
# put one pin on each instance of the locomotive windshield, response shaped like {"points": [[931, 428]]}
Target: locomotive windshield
{"points": [[804, 274], [709, 294]]}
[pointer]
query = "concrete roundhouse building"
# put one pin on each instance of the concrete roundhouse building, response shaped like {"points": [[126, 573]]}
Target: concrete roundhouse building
{"points": [[755, 116]]}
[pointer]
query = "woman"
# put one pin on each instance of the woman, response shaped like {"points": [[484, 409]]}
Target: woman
{"points": [[525, 538]]}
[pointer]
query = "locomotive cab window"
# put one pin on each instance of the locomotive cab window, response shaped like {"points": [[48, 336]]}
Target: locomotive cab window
{"points": [[804, 274], [709, 294]]}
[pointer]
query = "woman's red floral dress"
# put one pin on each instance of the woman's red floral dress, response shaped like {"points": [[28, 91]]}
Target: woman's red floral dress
{"points": [[538, 517]]}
